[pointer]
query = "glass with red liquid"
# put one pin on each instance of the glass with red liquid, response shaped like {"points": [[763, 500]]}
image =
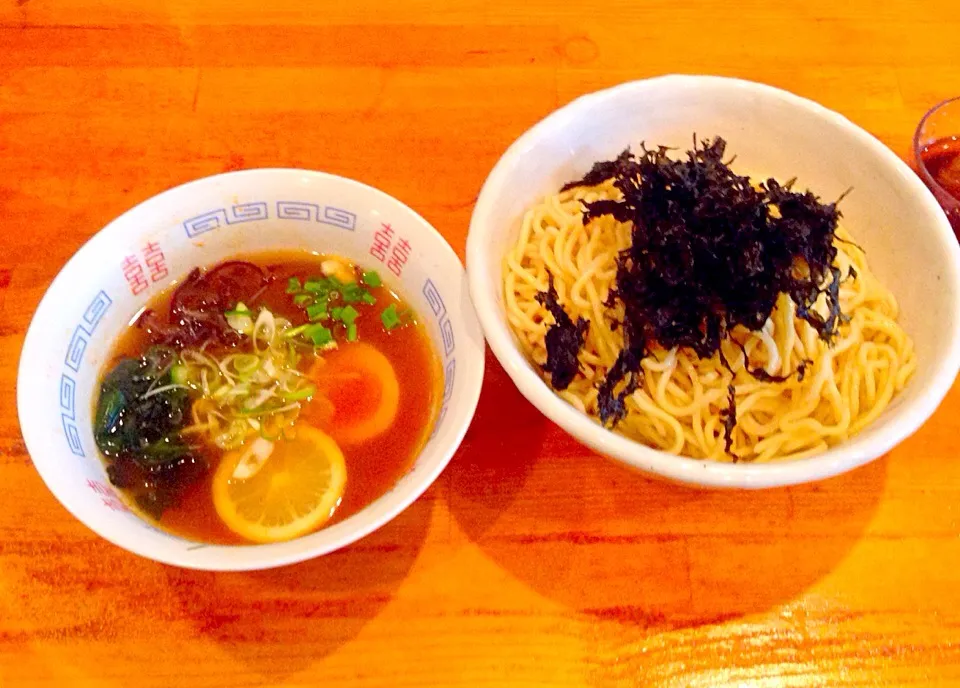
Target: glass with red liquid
{"points": [[937, 148]]}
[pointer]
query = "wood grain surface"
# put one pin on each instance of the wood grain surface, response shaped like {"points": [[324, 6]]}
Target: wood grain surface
{"points": [[531, 561]]}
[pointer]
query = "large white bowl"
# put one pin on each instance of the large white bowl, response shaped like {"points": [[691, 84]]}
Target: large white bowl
{"points": [[773, 133], [201, 223]]}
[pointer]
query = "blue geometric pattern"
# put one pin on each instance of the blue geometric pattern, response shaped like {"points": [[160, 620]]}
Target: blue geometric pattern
{"points": [[295, 210], [73, 359], [68, 396], [258, 210], [78, 344], [205, 222], [446, 331], [449, 374], [247, 212], [439, 309], [339, 218], [73, 437], [91, 317]]}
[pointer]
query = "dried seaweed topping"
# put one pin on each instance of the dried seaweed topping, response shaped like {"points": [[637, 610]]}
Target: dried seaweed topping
{"points": [[564, 339], [729, 415], [709, 252], [611, 401], [761, 374]]}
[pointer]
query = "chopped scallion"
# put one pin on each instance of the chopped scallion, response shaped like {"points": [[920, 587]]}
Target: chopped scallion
{"points": [[294, 331], [389, 317], [348, 314], [372, 279], [239, 309], [300, 394], [303, 299], [293, 286], [353, 293], [352, 332], [179, 374], [369, 298], [317, 311], [318, 334]]}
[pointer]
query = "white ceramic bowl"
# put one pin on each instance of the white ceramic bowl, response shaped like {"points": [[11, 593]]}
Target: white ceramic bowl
{"points": [[201, 223], [773, 133]]}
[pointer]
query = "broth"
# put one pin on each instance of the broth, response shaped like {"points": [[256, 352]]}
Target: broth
{"points": [[373, 465]]}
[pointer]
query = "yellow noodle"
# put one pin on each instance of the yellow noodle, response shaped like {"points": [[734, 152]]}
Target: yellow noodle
{"points": [[680, 405]]}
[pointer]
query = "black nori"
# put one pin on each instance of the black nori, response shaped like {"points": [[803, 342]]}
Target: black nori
{"points": [[729, 416], [563, 340], [709, 252]]}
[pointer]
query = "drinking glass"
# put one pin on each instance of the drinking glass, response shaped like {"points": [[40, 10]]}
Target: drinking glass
{"points": [[936, 146]]}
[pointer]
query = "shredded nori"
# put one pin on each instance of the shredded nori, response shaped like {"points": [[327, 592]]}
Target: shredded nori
{"points": [[564, 340], [709, 251], [729, 416]]}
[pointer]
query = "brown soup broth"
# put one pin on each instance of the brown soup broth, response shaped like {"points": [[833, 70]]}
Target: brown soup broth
{"points": [[373, 466]]}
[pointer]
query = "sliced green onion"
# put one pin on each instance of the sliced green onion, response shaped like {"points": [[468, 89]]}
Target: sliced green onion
{"points": [[337, 312], [317, 285], [303, 299], [246, 363], [369, 298], [180, 374], [162, 389], [299, 394], [293, 332], [318, 334], [264, 329], [293, 286], [317, 311], [389, 317], [257, 401], [352, 293], [352, 332], [252, 459], [372, 279], [239, 309], [240, 318], [241, 323], [348, 314]]}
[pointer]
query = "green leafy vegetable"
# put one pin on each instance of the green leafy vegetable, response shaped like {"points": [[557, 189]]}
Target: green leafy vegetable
{"points": [[353, 293], [372, 279], [389, 317], [303, 299], [318, 286], [141, 410], [318, 334], [317, 311]]}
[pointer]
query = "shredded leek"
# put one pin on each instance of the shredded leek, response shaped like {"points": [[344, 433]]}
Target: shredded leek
{"points": [[247, 394]]}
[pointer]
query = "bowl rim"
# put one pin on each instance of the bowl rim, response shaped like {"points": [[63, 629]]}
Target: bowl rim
{"points": [[835, 460], [253, 557]]}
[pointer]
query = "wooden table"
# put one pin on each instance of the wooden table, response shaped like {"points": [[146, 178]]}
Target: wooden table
{"points": [[531, 561]]}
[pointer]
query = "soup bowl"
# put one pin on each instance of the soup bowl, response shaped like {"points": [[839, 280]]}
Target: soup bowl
{"points": [[147, 249], [773, 133]]}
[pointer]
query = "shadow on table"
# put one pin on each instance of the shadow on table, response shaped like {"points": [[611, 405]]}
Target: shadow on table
{"points": [[613, 545], [497, 453], [278, 622]]}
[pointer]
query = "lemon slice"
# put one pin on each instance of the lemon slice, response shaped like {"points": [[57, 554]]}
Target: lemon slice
{"points": [[295, 491]]}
